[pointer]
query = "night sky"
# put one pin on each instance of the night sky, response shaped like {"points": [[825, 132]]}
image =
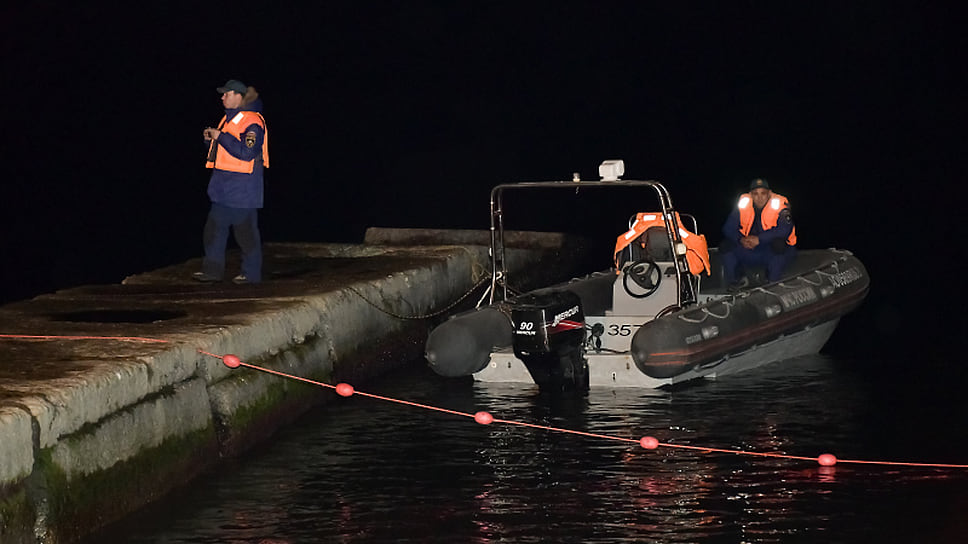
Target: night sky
{"points": [[406, 113]]}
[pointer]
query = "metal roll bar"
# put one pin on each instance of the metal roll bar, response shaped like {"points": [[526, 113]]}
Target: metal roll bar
{"points": [[499, 268]]}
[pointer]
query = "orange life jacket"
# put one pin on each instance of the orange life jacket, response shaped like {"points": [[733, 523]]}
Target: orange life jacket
{"points": [[768, 217], [223, 159], [697, 252]]}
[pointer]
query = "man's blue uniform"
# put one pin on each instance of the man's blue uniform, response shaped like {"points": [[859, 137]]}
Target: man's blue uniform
{"points": [[236, 199], [772, 252]]}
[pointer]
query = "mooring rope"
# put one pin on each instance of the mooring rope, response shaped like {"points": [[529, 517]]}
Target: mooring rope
{"points": [[442, 311]]}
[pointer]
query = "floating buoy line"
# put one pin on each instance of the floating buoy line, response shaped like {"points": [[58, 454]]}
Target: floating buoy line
{"points": [[647, 442], [486, 418]]}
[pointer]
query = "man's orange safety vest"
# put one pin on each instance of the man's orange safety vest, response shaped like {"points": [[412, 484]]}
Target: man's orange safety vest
{"points": [[223, 159], [697, 252], [768, 217]]}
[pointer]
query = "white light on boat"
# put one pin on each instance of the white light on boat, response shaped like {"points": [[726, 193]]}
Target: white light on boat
{"points": [[611, 170], [680, 248], [712, 331], [773, 310], [826, 290]]}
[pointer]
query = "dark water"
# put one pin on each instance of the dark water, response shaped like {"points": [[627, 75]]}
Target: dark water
{"points": [[365, 470]]}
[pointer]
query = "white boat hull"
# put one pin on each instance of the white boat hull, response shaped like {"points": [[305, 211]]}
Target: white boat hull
{"points": [[619, 370]]}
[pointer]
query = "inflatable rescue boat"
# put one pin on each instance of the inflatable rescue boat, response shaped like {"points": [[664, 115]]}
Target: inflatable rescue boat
{"points": [[661, 315]]}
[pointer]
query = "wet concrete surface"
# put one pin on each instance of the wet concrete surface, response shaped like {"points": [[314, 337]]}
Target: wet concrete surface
{"points": [[102, 381]]}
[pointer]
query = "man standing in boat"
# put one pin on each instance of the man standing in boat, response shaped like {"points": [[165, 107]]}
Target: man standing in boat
{"points": [[758, 232], [238, 153]]}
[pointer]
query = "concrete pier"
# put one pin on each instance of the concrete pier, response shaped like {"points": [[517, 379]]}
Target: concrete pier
{"points": [[111, 395]]}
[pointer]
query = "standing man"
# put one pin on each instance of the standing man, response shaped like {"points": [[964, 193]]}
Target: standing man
{"points": [[238, 152], [759, 231]]}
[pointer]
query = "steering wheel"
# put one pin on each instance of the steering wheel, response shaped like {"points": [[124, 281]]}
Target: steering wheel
{"points": [[644, 273]]}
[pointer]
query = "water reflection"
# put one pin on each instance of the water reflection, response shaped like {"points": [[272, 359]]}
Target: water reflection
{"points": [[363, 470]]}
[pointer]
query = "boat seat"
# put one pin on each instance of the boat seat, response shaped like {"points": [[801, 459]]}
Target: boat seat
{"points": [[653, 243]]}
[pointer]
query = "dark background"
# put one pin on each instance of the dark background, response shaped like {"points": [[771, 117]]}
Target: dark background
{"points": [[406, 113]]}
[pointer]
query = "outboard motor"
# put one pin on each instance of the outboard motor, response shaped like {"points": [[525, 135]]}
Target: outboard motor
{"points": [[549, 337]]}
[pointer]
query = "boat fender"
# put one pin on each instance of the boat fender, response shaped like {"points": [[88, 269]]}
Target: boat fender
{"points": [[463, 344]]}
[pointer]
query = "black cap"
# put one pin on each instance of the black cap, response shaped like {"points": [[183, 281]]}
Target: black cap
{"points": [[759, 183], [232, 85]]}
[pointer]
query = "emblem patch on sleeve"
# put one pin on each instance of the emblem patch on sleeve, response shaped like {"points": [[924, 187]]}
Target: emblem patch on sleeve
{"points": [[250, 139]]}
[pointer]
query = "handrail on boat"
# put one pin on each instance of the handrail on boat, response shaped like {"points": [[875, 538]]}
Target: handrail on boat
{"points": [[498, 264]]}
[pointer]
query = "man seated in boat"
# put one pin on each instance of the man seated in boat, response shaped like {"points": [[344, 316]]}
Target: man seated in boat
{"points": [[758, 232]]}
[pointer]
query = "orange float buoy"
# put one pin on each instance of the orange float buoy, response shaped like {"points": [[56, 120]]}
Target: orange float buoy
{"points": [[344, 389], [484, 418], [827, 460], [231, 361]]}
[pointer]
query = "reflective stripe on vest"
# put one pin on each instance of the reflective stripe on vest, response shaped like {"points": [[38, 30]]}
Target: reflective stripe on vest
{"points": [[223, 160], [768, 217]]}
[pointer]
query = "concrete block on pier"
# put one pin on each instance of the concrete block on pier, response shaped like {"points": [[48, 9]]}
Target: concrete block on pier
{"points": [[112, 394], [16, 447]]}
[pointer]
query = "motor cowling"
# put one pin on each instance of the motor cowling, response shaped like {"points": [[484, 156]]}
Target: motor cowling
{"points": [[549, 335]]}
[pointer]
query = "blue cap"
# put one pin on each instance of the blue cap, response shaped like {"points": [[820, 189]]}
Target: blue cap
{"points": [[233, 85], [759, 183]]}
